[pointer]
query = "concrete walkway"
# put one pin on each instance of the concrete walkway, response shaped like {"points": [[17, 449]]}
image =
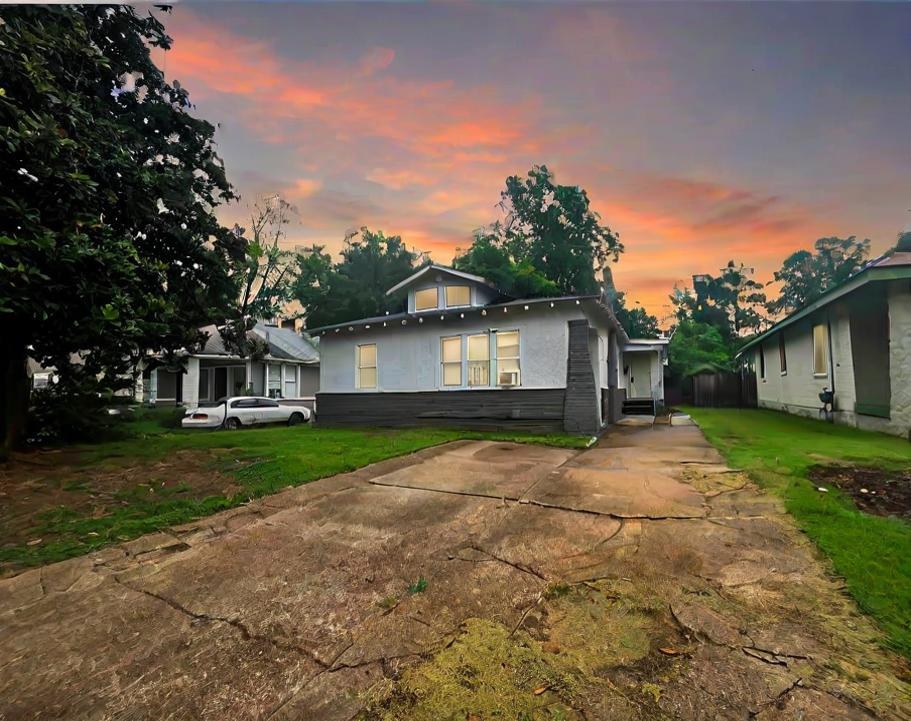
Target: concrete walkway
{"points": [[654, 578]]}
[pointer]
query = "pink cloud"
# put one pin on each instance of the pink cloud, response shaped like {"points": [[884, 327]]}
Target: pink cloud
{"points": [[375, 60]]}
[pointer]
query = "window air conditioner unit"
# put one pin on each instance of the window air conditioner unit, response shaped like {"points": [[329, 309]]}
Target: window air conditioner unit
{"points": [[508, 379]]}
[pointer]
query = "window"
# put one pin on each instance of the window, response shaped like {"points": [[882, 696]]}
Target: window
{"points": [[203, 384], [451, 354], [265, 403], [782, 354], [761, 363], [246, 403], [457, 295], [366, 366], [290, 381], [425, 299], [275, 380], [820, 350], [479, 360], [508, 358]]}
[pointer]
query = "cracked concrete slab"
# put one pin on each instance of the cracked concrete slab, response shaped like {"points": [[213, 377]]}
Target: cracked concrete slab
{"points": [[634, 493], [641, 579]]}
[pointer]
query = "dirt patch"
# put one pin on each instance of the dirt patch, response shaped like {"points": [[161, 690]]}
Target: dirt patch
{"points": [[44, 491], [873, 490], [574, 648]]}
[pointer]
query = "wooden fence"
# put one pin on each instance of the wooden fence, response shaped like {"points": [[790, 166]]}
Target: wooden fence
{"points": [[725, 390]]}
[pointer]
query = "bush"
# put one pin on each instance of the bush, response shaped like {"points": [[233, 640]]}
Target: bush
{"points": [[61, 415]]}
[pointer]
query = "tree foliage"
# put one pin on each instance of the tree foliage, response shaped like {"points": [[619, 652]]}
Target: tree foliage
{"points": [[636, 321], [551, 229], [354, 287], [697, 346], [805, 275], [733, 302], [903, 243], [490, 260], [108, 242]]}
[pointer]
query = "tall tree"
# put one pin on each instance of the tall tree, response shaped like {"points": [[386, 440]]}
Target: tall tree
{"points": [[732, 302], [490, 260], [356, 286], [553, 229], [805, 275], [108, 242], [267, 273]]}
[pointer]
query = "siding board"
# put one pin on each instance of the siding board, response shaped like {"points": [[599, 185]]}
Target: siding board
{"points": [[539, 410]]}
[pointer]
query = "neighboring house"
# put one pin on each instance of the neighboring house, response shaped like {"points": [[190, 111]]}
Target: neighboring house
{"points": [[855, 340], [289, 369], [463, 355]]}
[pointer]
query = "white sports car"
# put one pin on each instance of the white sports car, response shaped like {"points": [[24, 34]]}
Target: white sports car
{"points": [[232, 413]]}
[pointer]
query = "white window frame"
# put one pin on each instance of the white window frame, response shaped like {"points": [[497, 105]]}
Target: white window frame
{"points": [[436, 299], [456, 305], [270, 381], [468, 361], [289, 374], [444, 362], [825, 351], [517, 358], [493, 361], [358, 367]]}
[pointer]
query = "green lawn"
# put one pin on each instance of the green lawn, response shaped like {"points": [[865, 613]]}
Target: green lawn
{"points": [[872, 554], [110, 492]]}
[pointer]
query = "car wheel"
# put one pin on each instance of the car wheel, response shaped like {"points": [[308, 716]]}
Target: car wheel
{"points": [[232, 424], [295, 419]]}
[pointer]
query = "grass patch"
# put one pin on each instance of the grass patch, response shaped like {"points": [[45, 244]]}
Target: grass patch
{"points": [[872, 553], [253, 462]]}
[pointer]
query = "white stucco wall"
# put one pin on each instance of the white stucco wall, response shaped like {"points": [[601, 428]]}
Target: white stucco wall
{"points": [[408, 357], [899, 422], [900, 354], [797, 390]]}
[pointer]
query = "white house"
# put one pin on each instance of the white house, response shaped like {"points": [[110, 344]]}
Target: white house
{"points": [[462, 355], [289, 369], [855, 340]]}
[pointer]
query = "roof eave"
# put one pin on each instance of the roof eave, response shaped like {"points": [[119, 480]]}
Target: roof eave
{"points": [[868, 275]]}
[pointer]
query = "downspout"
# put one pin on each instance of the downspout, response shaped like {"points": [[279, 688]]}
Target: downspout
{"points": [[831, 360]]}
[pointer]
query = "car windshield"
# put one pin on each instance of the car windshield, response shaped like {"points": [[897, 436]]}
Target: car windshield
{"points": [[212, 404]]}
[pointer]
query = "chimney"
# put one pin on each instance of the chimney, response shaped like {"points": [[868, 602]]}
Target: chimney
{"points": [[608, 289]]}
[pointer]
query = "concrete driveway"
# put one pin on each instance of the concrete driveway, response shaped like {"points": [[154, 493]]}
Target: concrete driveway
{"points": [[640, 579]]}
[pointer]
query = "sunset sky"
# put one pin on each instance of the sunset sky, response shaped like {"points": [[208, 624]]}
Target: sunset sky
{"points": [[702, 132]]}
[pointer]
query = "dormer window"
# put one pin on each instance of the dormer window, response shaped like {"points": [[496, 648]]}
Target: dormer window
{"points": [[457, 295], [425, 299]]}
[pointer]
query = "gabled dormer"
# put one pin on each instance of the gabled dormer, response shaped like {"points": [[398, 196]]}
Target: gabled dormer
{"points": [[439, 287]]}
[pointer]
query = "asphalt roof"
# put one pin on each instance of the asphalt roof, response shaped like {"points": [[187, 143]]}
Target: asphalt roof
{"points": [[284, 343]]}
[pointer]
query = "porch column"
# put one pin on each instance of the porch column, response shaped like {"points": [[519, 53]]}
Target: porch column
{"points": [[153, 386], [191, 383], [248, 378]]}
